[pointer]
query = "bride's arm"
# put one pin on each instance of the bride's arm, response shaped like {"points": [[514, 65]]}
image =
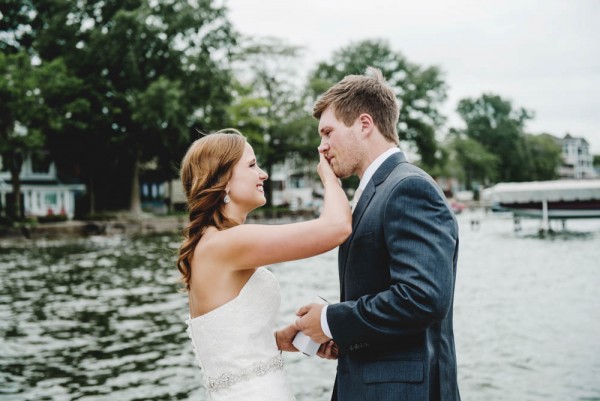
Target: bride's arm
{"points": [[252, 245]]}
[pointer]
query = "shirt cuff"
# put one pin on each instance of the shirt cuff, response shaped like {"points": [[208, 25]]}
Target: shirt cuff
{"points": [[324, 324]]}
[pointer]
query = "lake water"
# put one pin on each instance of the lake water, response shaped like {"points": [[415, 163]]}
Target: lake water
{"points": [[101, 318]]}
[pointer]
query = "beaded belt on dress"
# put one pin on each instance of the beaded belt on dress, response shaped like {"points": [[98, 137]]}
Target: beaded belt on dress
{"points": [[228, 379]]}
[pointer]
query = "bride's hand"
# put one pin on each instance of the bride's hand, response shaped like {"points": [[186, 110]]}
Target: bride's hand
{"points": [[324, 169], [284, 338]]}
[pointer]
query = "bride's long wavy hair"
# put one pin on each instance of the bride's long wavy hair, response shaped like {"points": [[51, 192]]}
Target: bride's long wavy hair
{"points": [[205, 171]]}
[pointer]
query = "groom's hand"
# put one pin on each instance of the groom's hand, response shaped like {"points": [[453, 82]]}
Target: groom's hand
{"points": [[328, 350], [310, 322]]}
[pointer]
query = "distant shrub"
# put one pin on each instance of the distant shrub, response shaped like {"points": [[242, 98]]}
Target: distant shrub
{"points": [[5, 221], [52, 218], [100, 217]]}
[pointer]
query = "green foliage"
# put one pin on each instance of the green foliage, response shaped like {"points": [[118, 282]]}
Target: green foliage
{"points": [[24, 112], [153, 71], [108, 85], [471, 162], [492, 122], [20, 95], [494, 146], [269, 108], [544, 157], [420, 90], [16, 17], [52, 218], [596, 161]]}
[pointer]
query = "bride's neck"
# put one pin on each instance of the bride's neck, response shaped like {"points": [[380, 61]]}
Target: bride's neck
{"points": [[236, 215]]}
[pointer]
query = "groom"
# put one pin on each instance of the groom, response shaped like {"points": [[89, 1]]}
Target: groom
{"points": [[393, 326]]}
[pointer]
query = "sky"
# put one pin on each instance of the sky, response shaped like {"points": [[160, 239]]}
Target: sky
{"points": [[542, 55]]}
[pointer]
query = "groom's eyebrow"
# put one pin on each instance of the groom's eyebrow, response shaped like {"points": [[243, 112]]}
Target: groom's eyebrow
{"points": [[323, 130]]}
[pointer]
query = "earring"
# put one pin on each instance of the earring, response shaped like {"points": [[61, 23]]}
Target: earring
{"points": [[226, 199]]}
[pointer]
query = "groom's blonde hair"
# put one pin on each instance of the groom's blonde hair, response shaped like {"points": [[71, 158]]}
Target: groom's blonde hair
{"points": [[357, 94]]}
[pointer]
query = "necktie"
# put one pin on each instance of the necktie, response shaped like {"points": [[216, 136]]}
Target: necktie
{"points": [[356, 198]]}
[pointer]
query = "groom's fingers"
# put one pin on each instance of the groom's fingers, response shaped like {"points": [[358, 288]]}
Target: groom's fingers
{"points": [[328, 350], [304, 310]]}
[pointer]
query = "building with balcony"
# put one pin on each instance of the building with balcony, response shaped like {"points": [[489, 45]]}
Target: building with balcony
{"points": [[578, 163], [42, 192]]}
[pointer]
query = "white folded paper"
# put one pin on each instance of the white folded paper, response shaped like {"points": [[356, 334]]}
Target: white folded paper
{"points": [[305, 345]]}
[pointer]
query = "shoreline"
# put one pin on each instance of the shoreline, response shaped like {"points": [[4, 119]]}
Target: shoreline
{"points": [[77, 229]]}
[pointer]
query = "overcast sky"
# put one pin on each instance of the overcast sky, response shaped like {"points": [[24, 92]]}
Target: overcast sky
{"points": [[542, 55]]}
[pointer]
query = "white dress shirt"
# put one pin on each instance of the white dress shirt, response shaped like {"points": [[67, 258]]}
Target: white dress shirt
{"points": [[362, 185]]}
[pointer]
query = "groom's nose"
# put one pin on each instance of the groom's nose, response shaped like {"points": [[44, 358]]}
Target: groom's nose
{"points": [[323, 147]]}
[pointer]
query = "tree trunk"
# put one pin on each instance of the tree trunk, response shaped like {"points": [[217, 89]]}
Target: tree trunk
{"points": [[135, 205], [469, 180], [170, 199], [92, 194], [15, 176]]}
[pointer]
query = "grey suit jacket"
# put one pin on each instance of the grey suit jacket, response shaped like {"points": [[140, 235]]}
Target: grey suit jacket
{"points": [[397, 273]]}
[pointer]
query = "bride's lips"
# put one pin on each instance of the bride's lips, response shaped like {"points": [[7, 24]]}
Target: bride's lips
{"points": [[260, 188]]}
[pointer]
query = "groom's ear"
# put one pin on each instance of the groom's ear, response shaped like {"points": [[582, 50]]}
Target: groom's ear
{"points": [[366, 124]]}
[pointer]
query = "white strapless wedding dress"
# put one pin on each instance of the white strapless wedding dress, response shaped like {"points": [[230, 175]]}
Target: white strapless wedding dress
{"points": [[235, 345]]}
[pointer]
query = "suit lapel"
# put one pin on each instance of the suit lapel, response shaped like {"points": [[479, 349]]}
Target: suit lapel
{"points": [[365, 199]]}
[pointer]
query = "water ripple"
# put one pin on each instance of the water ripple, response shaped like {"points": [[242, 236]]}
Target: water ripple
{"points": [[101, 319]]}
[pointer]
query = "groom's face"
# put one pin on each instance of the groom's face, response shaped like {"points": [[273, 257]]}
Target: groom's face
{"points": [[339, 144]]}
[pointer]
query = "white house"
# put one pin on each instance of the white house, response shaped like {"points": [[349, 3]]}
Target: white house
{"points": [[295, 184], [578, 163], [42, 193]]}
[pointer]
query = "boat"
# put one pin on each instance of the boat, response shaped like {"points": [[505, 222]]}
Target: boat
{"points": [[546, 200]]}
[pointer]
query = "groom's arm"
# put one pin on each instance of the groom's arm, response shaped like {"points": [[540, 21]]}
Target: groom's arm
{"points": [[421, 236]]}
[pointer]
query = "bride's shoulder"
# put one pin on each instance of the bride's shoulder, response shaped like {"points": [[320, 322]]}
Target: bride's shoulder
{"points": [[215, 241]]}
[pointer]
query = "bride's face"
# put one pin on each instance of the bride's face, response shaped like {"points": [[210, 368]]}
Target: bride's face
{"points": [[246, 184]]}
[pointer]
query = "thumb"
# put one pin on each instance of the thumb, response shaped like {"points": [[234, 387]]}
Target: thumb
{"points": [[303, 311]]}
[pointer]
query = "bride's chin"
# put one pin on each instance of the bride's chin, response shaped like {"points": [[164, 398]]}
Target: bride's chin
{"points": [[259, 205]]}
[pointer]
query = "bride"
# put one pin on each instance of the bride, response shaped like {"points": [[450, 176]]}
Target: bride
{"points": [[234, 301]]}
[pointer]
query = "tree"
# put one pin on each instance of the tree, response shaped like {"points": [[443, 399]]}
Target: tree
{"points": [[492, 122], [596, 161], [420, 90], [15, 26], [472, 162], [20, 95], [18, 90], [544, 157], [269, 108], [153, 70], [37, 100]]}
